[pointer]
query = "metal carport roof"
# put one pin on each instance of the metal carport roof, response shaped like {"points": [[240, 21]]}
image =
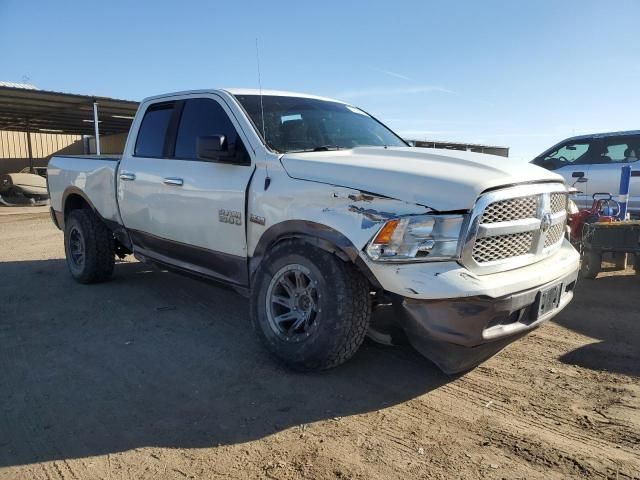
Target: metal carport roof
{"points": [[33, 110]]}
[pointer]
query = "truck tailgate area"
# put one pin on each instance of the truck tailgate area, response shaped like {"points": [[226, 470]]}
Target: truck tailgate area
{"points": [[92, 176]]}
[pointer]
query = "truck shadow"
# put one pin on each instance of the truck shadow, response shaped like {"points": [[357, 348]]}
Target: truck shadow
{"points": [[154, 359], [606, 309]]}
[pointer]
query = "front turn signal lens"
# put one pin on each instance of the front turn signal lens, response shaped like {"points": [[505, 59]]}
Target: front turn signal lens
{"points": [[384, 235]]}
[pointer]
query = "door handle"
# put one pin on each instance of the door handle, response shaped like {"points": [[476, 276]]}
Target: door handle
{"points": [[178, 182], [127, 176], [577, 174]]}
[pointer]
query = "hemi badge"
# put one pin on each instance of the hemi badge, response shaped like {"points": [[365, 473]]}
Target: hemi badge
{"points": [[256, 219]]}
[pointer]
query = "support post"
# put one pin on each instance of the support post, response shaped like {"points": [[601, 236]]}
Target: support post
{"points": [[29, 149], [96, 127]]}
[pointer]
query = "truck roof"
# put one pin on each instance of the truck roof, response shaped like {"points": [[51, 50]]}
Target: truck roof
{"points": [[244, 91], [603, 135], [276, 93]]}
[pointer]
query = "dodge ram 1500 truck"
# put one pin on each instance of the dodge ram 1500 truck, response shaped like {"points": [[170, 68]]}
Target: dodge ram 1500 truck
{"points": [[321, 215]]}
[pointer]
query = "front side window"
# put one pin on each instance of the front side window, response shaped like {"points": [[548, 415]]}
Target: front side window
{"points": [[153, 131], [294, 124], [204, 117], [574, 153], [621, 150]]}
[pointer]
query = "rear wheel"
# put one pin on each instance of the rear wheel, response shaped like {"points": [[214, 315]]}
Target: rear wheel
{"points": [[89, 247], [591, 264], [310, 309]]}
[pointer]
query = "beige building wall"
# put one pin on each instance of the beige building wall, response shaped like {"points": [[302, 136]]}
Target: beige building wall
{"points": [[14, 151], [14, 144], [109, 144]]}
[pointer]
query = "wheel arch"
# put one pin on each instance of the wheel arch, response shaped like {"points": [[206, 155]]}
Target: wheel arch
{"points": [[74, 198], [313, 233]]}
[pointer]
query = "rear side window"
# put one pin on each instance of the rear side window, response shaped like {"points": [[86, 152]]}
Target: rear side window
{"points": [[620, 150], [202, 117], [153, 131]]}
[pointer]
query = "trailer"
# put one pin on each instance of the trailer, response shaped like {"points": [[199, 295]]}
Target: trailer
{"points": [[619, 238]]}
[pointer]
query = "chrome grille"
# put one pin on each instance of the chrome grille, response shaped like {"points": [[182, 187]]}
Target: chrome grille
{"points": [[558, 202], [515, 226], [490, 249], [554, 234], [512, 209]]}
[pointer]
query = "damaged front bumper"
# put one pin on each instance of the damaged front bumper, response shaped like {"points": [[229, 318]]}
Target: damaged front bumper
{"points": [[459, 333], [457, 319]]}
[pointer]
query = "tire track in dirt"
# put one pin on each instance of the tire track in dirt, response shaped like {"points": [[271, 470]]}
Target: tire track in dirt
{"points": [[473, 387], [566, 445]]}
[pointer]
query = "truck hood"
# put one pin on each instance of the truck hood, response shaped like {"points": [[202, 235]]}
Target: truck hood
{"points": [[440, 179]]}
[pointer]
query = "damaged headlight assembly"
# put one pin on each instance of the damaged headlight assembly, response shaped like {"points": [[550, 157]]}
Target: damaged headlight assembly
{"points": [[417, 238]]}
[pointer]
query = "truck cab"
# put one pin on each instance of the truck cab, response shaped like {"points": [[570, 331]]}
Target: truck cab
{"points": [[180, 205]]}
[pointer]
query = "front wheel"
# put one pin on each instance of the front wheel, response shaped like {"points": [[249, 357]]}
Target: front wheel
{"points": [[310, 309], [89, 247]]}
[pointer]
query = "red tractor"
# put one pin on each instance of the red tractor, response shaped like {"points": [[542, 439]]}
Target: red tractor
{"points": [[604, 209]]}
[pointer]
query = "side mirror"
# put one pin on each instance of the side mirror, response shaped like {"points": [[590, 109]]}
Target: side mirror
{"points": [[215, 148]]}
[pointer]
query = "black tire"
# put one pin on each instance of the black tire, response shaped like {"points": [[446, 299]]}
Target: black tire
{"points": [[334, 331], [591, 265], [93, 260]]}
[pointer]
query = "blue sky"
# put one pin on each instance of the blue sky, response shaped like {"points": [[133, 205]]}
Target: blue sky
{"points": [[515, 73]]}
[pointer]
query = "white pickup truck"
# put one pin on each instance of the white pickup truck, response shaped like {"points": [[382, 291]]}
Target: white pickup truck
{"points": [[322, 215]]}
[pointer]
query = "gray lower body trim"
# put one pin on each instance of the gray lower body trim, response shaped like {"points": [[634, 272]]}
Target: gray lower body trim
{"points": [[222, 267], [459, 333]]}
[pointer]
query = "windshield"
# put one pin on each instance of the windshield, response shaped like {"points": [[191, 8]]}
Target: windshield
{"points": [[295, 124]]}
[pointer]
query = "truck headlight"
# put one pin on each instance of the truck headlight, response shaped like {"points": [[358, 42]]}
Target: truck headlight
{"points": [[417, 238]]}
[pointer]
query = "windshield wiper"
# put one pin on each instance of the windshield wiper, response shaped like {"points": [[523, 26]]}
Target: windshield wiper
{"points": [[320, 148], [325, 148]]}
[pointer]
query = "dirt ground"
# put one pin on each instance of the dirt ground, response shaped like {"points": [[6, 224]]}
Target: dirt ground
{"points": [[152, 375]]}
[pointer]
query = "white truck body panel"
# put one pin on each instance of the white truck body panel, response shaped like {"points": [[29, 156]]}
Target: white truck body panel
{"points": [[417, 280], [94, 175], [440, 179], [188, 213], [329, 205]]}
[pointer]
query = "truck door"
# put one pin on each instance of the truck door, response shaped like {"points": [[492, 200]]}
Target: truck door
{"points": [[181, 209], [571, 160], [613, 154]]}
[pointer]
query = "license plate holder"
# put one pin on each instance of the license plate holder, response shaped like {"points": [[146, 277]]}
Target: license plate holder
{"points": [[549, 299]]}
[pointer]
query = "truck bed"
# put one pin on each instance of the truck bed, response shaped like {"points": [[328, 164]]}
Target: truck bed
{"points": [[92, 176]]}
